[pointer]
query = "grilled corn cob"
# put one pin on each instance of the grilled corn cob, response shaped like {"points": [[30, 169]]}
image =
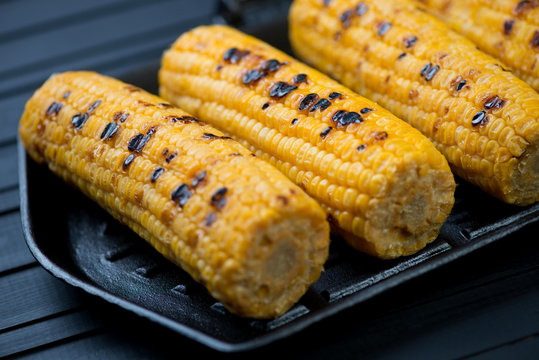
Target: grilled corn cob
{"points": [[232, 221], [505, 29], [384, 185], [482, 118]]}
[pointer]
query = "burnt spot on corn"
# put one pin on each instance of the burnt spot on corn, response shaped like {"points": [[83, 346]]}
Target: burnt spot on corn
{"points": [[253, 76], [366, 110], [93, 106], [294, 121], [181, 119], [66, 94], [144, 103], [361, 147], [325, 132], [138, 141], [480, 118], [134, 142], [54, 109], [210, 218], [156, 174], [334, 95], [460, 85], [524, 6], [271, 65], [164, 105], [361, 9], [508, 27], [128, 160], [171, 157], [78, 120], [219, 67], [110, 130], [283, 199], [383, 27], [265, 106], [120, 116], [181, 195], [218, 199], [326, 2], [535, 39], [281, 89], [346, 18], [299, 78], [410, 41], [199, 179], [432, 72], [209, 136], [321, 104], [402, 55], [343, 118], [234, 55], [307, 101], [380, 135], [164, 152], [494, 102]]}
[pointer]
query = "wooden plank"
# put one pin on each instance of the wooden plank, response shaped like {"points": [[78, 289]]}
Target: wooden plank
{"points": [[9, 177], [47, 332], [31, 294], [13, 250]]}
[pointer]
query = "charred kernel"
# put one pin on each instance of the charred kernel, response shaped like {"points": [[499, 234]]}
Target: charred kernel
{"points": [[157, 173], [210, 218], [366, 110], [325, 132], [432, 72], [361, 9], [361, 147], [181, 195], [425, 69], [213, 136], [401, 56], [54, 108], [343, 118], [142, 143], [152, 130], [66, 94], [94, 106], [235, 154], [110, 130], [491, 102], [308, 101], [345, 18], [508, 27], [337, 117], [182, 119], [479, 118], [535, 39], [271, 65], [171, 157], [120, 116], [128, 160], [265, 106], [281, 89], [218, 67], [165, 152], [218, 199], [522, 7], [460, 85], [321, 104], [294, 121], [253, 76], [334, 95], [300, 78], [383, 28], [199, 179], [78, 120], [133, 144], [380, 135], [164, 105], [229, 53], [409, 41], [236, 55]]}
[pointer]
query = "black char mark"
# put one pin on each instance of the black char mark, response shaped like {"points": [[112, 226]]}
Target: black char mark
{"points": [[253, 76], [307, 101], [401, 56], [383, 27], [281, 89], [361, 147], [120, 116], [480, 118], [54, 108], [78, 120], [409, 41], [134, 142], [300, 78], [535, 39], [128, 160], [210, 219], [494, 102], [366, 110], [199, 179], [157, 173], [181, 119], [343, 118], [460, 85], [432, 72], [294, 121], [321, 104], [210, 136], [271, 65], [218, 199], [234, 55], [425, 69], [346, 17], [170, 157], [325, 132], [265, 106], [508, 27], [380, 135], [110, 130], [524, 6], [334, 95], [66, 94], [94, 106], [181, 195], [361, 9]]}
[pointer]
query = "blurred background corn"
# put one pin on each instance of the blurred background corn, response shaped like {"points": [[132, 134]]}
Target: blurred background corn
{"points": [[481, 117], [383, 184], [232, 221], [505, 29]]}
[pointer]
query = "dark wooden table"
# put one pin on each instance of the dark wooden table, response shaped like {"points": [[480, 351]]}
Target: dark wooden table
{"points": [[482, 306]]}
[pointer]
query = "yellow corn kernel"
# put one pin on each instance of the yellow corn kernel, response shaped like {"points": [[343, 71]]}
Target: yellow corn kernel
{"points": [[181, 185], [505, 29], [383, 184], [435, 79]]}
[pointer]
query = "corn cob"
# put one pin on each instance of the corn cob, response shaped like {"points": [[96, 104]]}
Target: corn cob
{"points": [[384, 186], [483, 119], [232, 221], [505, 29]]}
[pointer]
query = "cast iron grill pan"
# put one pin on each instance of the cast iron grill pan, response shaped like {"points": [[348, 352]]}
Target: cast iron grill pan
{"points": [[77, 241]]}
